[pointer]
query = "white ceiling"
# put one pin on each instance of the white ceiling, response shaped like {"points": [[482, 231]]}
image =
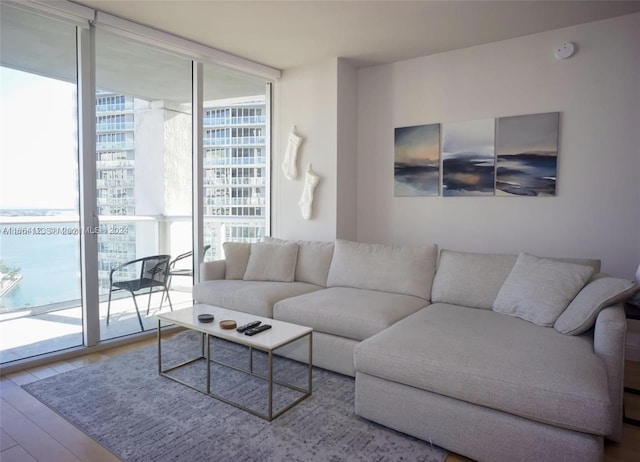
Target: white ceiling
{"points": [[287, 34]]}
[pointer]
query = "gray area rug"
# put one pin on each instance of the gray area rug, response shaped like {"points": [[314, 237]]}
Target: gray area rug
{"points": [[140, 416]]}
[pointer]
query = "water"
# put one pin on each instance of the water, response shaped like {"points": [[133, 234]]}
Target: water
{"points": [[49, 264]]}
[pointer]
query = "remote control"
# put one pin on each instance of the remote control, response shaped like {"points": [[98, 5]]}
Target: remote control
{"points": [[257, 330], [248, 326]]}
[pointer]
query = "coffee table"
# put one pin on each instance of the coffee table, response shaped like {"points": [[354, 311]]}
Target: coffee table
{"points": [[281, 334]]}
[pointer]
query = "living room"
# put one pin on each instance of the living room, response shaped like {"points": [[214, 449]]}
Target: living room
{"points": [[346, 109]]}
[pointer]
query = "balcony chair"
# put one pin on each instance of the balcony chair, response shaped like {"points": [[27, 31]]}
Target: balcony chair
{"points": [[173, 271], [154, 273]]}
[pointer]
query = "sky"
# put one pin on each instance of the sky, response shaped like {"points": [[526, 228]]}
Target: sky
{"points": [[419, 144], [475, 136], [528, 133], [38, 153]]}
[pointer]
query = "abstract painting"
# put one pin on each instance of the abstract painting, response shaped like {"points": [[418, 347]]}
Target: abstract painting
{"points": [[417, 160], [468, 158], [527, 153]]}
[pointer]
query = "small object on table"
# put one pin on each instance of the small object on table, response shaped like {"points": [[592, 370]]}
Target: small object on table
{"points": [[257, 330], [228, 324], [205, 318], [248, 326]]}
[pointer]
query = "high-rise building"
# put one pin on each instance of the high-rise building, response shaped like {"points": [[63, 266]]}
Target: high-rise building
{"points": [[235, 172]]}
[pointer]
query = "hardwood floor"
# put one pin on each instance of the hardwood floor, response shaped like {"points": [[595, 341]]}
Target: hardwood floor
{"points": [[30, 431]]}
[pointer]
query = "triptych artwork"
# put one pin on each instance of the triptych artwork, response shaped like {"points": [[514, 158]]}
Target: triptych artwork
{"points": [[507, 156]]}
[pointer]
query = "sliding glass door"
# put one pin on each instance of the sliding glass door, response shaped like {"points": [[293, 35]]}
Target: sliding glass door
{"points": [[84, 100], [235, 158], [143, 172], [40, 296]]}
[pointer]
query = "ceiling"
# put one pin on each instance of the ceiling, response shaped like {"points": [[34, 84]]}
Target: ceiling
{"points": [[288, 34]]}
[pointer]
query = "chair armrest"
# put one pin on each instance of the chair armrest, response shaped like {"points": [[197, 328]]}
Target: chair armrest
{"points": [[608, 344], [212, 270]]}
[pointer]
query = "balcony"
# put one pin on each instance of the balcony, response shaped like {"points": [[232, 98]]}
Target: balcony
{"points": [[112, 164], [221, 182], [118, 107], [235, 141], [228, 121], [114, 127], [232, 161], [115, 145], [41, 312], [41, 330]]}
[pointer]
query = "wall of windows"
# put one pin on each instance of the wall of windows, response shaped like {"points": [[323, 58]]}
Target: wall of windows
{"points": [[133, 178]]}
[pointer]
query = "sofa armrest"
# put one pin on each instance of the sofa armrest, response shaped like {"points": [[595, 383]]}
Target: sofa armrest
{"points": [[212, 270], [608, 344]]}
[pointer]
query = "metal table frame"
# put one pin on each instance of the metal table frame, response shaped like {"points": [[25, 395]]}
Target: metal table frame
{"points": [[205, 342]]}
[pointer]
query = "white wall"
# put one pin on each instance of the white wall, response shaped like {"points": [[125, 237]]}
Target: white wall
{"points": [[306, 97], [596, 212], [320, 100], [347, 151]]}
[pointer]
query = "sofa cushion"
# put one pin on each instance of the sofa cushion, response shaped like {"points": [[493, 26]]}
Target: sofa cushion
{"points": [[314, 259], [539, 289], [602, 291], [272, 262], [470, 279], [236, 255], [401, 270], [255, 297], [497, 361], [353, 313]]}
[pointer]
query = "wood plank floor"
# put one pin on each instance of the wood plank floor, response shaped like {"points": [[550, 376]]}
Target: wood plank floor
{"points": [[30, 431]]}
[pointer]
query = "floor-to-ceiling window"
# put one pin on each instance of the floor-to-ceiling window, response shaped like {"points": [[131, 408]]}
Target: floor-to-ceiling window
{"points": [[235, 158], [40, 306], [143, 175], [88, 98]]}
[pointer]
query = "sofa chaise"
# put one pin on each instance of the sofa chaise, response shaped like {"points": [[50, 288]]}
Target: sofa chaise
{"points": [[496, 357]]}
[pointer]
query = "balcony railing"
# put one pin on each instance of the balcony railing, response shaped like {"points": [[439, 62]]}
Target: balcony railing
{"points": [[252, 201], [234, 182], [211, 161], [110, 127], [117, 107], [115, 145], [115, 183], [234, 141], [122, 163], [223, 121]]}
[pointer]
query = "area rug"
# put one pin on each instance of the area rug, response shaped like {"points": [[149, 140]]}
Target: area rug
{"points": [[141, 416]]}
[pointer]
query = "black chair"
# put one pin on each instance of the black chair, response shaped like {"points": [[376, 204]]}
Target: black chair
{"points": [[154, 273], [173, 271], [183, 271]]}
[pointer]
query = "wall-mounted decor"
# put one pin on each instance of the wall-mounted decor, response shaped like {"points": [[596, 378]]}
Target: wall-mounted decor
{"points": [[468, 157], [311, 180], [417, 160], [527, 153], [290, 161], [508, 156]]}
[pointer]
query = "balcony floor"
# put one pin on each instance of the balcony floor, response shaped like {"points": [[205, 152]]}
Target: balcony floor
{"points": [[26, 335]]}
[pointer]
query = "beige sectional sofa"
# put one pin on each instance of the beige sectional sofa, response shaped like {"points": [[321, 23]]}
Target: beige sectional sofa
{"points": [[497, 357]]}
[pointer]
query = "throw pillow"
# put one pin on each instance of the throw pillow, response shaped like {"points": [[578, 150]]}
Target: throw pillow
{"points": [[236, 255], [314, 259], [539, 289], [581, 314], [272, 262]]}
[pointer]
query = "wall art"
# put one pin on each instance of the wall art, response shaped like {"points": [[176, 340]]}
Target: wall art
{"points": [[527, 153], [417, 160], [468, 158]]}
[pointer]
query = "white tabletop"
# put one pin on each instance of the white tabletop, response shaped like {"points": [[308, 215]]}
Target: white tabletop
{"points": [[280, 333]]}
